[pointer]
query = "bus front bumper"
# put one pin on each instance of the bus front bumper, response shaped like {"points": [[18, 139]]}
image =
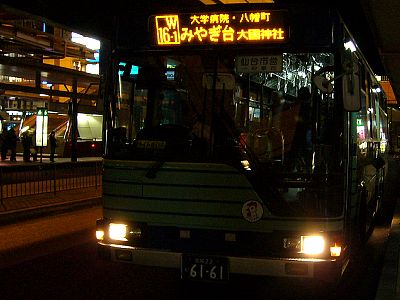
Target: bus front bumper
{"points": [[321, 269]]}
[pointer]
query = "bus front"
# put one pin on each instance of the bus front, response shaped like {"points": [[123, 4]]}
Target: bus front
{"points": [[227, 158]]}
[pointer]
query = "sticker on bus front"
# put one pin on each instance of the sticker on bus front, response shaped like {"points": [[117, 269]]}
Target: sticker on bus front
{"points": [[252, 211]]}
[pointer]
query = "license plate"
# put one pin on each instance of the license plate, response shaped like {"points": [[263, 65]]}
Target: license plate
{"points": [[208, 268]]}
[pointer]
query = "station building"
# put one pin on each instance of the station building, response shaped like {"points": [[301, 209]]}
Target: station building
{"points": [[44, 65]]}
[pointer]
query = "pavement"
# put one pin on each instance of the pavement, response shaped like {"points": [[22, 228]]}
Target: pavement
{"points": [[32, 206], [27, 207], [389, 283]]}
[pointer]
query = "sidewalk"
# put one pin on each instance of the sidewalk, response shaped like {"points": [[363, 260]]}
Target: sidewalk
{"points": [[389, 283], [32, 206]]}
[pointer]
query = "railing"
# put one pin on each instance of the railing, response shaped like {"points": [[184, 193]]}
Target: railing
{"points": [[24, 180]]}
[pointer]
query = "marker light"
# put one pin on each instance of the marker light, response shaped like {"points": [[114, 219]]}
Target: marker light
{"points": [[117, 232], [312, 244], [99, 234], [336, 250]]}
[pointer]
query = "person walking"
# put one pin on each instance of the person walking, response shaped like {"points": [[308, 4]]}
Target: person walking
{"points": [[12, 138], [53, 145]]}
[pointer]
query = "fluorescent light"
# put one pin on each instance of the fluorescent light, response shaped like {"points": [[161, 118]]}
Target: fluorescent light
{"points": [[90, 43]]}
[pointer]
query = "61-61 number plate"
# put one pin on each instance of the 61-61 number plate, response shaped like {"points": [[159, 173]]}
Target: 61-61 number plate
{"points": [[208, 268]]}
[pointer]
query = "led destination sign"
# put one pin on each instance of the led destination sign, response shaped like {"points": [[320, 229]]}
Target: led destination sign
{"points": [[219, 28]]}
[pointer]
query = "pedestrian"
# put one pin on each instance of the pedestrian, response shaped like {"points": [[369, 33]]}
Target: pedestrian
{"points": [[26, 140], [4, 146], [53, 145], [12, 141]]}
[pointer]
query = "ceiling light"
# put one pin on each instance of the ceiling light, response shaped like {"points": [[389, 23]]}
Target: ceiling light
{"points": [[7, 25], [350, 46]]}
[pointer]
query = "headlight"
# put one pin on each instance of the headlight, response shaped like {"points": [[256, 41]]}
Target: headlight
{"points": [[117, 231], [312, 244]]}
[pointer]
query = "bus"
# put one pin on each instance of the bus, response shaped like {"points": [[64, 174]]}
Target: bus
{"points": [[241, 140]]}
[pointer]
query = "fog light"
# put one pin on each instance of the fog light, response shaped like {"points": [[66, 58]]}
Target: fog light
{"points": [[99, 234], [312, 244], [117, 232]]}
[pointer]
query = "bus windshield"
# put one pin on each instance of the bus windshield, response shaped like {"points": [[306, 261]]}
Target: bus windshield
{"points": [[261, 114]]}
